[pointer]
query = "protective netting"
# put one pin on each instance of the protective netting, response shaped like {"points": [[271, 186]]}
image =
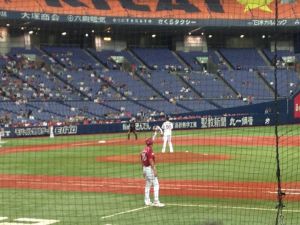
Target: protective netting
{"points": [[91, 88]]}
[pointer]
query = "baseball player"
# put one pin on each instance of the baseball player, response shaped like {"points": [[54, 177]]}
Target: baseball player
{"points": [[167, 128], [1, 134], [51, 132], [132, 129], [1, 131], [150, 174]]}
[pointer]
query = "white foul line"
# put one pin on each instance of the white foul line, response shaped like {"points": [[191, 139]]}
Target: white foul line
{"points": [[128, 211], [234, 207], [205, 206]]}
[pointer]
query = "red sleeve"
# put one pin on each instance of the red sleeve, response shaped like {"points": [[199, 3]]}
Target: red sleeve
{"points": [[150, 154]]}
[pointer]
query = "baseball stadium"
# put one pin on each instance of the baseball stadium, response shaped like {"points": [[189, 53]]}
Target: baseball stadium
{"points": [[150, 112]]}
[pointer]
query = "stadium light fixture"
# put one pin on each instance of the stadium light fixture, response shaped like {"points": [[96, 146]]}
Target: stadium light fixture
{"points": [[194, 30], [107, 38]]}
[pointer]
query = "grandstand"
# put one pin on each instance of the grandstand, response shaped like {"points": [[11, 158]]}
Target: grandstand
{"points": [[155, 77]]}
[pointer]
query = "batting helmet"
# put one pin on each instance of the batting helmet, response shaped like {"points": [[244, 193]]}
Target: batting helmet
{"points": [[149, 141]]}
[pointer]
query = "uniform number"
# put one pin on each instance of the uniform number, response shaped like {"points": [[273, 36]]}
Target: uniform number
{"points": [[144, 156]]}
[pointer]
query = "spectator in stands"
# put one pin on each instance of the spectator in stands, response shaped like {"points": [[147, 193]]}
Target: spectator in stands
{"points": [[29, 113], [250, 99], [268, 110]]}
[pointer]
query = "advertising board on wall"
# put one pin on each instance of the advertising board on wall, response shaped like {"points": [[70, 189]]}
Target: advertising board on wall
{"points": [[154, 12], [297, 106]]}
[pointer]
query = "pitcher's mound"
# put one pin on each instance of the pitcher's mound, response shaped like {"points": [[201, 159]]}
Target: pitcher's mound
{"points": [[176, 157]]}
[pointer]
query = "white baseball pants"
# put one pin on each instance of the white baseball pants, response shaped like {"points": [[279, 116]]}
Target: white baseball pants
{"points": [[167, 139], [150, 180]]}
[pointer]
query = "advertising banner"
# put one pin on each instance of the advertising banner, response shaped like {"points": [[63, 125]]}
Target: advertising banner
{"points": [[154, 12], [297, 106]]}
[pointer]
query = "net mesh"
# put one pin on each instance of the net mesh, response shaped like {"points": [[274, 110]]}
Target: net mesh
{"points": [[213, 84]]}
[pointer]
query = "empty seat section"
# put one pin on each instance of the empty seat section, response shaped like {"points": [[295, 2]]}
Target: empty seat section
{"points": [[287, 81], [248, 85], [115, 59], [73, 58], [130, 86], [170, 85], [211, 87], [158, 58], [243, 59]]}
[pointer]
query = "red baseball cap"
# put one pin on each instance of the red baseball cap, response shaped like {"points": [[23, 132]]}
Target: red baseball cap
{"points": [[149, 141]]}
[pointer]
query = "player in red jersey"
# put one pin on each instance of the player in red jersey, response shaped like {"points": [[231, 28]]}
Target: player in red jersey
{"points": [[150, 174]]}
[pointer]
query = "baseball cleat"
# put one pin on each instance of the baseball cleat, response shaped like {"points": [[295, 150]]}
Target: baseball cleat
{"points": [[158, 204], [148, 204]]}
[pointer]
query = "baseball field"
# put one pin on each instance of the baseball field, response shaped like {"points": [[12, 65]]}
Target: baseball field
{"points": [[215, 177]]}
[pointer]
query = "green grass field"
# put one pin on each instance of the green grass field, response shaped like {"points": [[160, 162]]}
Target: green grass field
{"points": [[247, 164]]}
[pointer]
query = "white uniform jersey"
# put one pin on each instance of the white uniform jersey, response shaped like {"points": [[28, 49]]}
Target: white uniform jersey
{"points": [[167, 128]]}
